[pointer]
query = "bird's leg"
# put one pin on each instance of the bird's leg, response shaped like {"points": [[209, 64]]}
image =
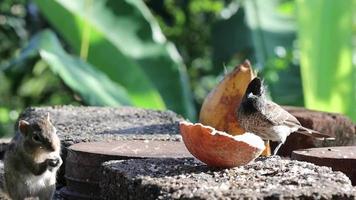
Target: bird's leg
{"points": [[277, 148], [267, 151]]}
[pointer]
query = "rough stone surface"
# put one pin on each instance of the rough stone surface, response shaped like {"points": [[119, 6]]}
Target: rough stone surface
{"points": [[84, 124], [338, 158], [266, 178], [83, 161], [333, 124]]}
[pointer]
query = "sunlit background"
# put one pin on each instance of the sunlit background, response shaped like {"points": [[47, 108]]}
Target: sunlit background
{"points": [[166, 54]]}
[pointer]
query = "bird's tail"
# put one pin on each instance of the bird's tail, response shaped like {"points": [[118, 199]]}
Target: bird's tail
{"points": [[314, 133]]}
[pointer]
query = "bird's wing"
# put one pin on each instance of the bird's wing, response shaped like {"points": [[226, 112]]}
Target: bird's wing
{"points": [[276, 115], [315, 134]]}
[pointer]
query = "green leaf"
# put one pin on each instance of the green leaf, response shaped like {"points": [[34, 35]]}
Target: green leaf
{"points": [[4, 115], [325, 39], [93, 86], [274, 30], [230, 36], [270, 28], [126, 43]]}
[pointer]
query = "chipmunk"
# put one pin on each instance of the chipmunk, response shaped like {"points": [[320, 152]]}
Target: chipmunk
{"points": [[32, 160]]}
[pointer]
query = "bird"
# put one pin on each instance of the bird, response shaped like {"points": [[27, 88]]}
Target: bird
{"points": [[267, 119]]}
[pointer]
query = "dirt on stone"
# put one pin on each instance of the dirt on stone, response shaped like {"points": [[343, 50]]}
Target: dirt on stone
{"points": [[266, 178]]}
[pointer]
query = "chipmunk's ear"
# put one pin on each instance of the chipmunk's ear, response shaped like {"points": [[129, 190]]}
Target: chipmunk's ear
{"points": [[23, 127]]}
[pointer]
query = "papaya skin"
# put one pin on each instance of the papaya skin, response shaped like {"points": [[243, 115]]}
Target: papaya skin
{"points": [[219, 149], [220, 106]]}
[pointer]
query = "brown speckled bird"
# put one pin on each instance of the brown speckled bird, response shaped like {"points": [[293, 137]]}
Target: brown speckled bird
{"points": [[267, 119]]}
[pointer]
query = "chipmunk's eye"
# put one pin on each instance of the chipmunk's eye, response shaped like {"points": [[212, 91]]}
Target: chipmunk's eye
{"points": [[36, 138]]}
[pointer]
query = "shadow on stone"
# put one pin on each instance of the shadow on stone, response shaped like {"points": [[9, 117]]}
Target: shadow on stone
{"points": [[147, 129]]}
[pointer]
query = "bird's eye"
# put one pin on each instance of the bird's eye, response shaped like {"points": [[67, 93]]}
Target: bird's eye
{"points": [[36, 138]]}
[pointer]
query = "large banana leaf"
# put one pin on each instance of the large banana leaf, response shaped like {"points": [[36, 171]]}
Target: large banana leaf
{"points": [[126, 43], [273, 27], [92, 85], [325, 36]]}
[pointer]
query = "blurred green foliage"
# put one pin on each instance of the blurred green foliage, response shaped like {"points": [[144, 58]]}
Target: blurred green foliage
{"points": [[189, 25], [31, 83], [91, 84], [332, 85], [48, 47], [13, 33], [139, 47]]}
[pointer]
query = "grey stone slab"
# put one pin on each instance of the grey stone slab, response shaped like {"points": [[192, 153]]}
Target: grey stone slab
{"points": [[83, 162], [338, 158], [266, 178], [83, 124]]}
